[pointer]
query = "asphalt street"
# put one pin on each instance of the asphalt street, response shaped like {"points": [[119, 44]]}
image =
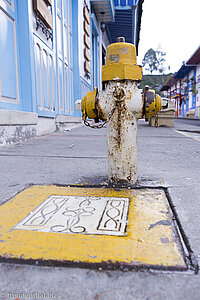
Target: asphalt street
{"points": [[167, 157]]}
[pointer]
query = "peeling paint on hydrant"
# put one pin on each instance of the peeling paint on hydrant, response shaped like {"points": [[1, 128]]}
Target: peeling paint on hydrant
{"points": [[121, 102]]}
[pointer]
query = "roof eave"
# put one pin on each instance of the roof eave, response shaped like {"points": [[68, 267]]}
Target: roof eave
{"points": [[106, 7]]}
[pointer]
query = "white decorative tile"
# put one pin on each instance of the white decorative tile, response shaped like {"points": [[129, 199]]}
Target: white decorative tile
{"points": [[79, 215]]}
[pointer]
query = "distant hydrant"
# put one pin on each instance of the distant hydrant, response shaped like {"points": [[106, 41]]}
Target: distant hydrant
{"points": [[120, 104]]}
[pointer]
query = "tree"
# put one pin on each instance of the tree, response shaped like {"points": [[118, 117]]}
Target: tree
{"points": [[161, 59], [150, 61], [154, 60]]}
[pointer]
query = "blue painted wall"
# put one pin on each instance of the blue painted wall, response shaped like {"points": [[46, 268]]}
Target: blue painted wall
{"points": [[9, 57], [94, 43], [32, 80], [76, 75], [15, 66], [26, 103], [27, 85]]}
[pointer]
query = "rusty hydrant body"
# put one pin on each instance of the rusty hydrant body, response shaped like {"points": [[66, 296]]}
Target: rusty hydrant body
{"points": [[121, 102]]}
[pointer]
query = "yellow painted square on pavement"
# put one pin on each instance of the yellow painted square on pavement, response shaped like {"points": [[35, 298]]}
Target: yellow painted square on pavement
{"points": [[133, 227]]}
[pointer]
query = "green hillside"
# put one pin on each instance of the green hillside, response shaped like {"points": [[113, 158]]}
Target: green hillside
{"points": [[154, 81]]}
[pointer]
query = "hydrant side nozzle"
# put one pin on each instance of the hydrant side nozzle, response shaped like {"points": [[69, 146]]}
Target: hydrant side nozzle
{"points": [[158, 103], [88, 106], [83, 109], [152, 103]]}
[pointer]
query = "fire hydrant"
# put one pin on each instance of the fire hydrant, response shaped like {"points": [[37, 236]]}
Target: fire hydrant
{"points": [[120, 104]]}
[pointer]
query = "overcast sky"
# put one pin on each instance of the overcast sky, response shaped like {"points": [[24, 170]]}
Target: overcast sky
{"points": [[173, 24]]}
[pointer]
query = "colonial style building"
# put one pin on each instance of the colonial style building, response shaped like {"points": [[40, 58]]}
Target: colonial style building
{"points": [[51, 54], [184, 87]]}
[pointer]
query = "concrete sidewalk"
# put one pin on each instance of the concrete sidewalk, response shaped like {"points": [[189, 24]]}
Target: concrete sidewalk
{"points": [[166, 158]]}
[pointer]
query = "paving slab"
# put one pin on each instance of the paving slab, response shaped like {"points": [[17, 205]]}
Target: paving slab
{"points": [[99, 226]]}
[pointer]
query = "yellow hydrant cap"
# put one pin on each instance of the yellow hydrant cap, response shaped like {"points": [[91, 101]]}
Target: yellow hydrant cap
{"points": [[121, 62], [121, 52]]}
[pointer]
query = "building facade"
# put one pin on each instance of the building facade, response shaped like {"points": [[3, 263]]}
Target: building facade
{"points": [[184, 87], [51, 54]]}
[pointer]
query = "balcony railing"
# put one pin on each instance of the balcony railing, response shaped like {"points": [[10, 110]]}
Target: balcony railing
{"points": [[125, 3]]}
